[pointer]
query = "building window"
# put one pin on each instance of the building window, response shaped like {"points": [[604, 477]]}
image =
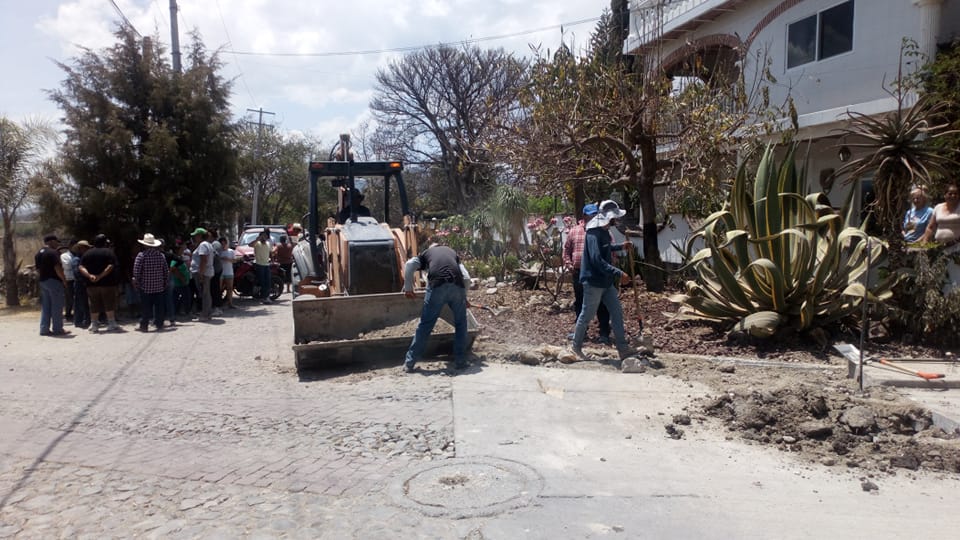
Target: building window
{"points": [[820, 36]]}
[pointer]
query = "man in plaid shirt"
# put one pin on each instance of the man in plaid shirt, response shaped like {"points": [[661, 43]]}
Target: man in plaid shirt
{"points": [[150, 274], [572, 256]]}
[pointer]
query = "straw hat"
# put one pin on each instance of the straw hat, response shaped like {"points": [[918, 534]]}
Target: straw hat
{"points": [[149, 241]]}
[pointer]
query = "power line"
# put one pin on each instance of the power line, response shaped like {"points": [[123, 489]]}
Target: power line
{"points": [[125, 19], [243, 79], [419, 47], [163, 16]]}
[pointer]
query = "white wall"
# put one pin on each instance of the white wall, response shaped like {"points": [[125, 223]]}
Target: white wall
{"points": [[840, 81]]}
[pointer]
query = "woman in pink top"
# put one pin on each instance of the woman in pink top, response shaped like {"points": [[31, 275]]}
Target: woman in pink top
{"points": [[944, 226]]}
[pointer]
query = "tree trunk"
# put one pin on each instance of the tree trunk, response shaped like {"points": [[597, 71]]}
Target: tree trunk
{"points": [[12, 296], [579, 198], [653, 273]]}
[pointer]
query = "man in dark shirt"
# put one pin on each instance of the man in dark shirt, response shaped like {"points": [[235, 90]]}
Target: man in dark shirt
{"points": [[50, 274], [598, 277], [446, 279], [99, 266], [357, 199]]}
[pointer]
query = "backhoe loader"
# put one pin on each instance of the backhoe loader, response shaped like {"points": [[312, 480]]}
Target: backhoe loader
{"points": [[348, 277]]}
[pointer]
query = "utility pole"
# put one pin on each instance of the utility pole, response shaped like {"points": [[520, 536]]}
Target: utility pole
{"points": [[174, 36], [254, 217]]}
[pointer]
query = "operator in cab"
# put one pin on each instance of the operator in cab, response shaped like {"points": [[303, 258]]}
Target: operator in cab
{"points": [[357, 198], [446, 286]]}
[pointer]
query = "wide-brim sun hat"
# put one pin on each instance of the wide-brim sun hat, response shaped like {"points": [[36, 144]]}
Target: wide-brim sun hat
{"points": [[149, 241], [609, 210]]}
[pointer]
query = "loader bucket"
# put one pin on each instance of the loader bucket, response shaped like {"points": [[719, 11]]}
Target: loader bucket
{"points": [[347, 328]]}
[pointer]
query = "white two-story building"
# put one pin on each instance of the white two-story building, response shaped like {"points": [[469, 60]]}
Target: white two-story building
{"points": [[829, 56]]}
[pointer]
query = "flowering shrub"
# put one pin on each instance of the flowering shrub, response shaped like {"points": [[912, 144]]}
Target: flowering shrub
{"points": [[455, 233], [546, 245]]}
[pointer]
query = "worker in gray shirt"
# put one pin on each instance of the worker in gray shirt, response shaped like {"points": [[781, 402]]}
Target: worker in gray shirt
{"points": [[446, 286]]}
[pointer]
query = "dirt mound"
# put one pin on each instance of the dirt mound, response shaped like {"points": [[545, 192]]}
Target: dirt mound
{"points": [[838, 427]]}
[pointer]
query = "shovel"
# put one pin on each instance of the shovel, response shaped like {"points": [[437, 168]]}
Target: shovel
{"points": [[491, 309], [636, 291], [903, 369]]}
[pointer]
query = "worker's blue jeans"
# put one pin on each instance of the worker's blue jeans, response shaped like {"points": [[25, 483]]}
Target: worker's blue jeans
{"points": [[51, 306], [592, 298], [448, 294], [263, 279]]}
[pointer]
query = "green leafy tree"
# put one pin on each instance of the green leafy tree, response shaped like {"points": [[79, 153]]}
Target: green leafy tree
{"points": [[275, 163], [940, 80], [21, 162], [147, 149]]}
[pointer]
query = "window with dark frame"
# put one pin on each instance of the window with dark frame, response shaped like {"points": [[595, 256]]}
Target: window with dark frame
{"points": [[836, 30], [802, 41], [820, 36]]}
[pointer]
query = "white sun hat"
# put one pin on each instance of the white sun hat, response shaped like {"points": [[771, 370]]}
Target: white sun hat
{"points": [[609, 210]]}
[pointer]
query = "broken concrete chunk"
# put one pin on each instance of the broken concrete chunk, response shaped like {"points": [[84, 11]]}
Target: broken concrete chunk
{"points": [[632, 364], [860, 419]]}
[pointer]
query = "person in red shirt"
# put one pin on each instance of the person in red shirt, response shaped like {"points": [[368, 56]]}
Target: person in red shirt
{"points": [[572, 257], [283, 253]]}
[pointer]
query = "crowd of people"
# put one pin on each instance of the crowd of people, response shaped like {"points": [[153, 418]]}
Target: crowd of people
{"points": [[191, 279]]}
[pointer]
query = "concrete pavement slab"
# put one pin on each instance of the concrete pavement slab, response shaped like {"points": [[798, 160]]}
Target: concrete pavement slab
{"points": [[598, 440]]}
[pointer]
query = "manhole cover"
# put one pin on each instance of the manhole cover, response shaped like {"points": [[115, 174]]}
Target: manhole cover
{"points": [[468, 487]]}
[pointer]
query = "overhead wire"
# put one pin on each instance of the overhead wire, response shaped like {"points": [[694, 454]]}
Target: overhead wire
{"points": [[163, 16], [125, 19], [418, 47], [243, 78]]}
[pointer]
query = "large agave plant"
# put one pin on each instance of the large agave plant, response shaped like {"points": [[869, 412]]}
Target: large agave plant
{"points": [[778, 257]]}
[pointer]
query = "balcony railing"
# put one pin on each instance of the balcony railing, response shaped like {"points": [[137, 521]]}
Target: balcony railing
{"points": [[652, 19]]}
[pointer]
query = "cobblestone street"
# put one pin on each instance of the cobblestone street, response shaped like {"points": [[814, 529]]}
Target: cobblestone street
{"points": [[198, 430], [207, 431]]}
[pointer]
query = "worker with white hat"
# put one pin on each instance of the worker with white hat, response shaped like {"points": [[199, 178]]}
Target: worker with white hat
{"points": [[598, 276]]}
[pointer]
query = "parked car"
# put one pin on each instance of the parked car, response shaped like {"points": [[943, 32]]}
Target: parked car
{"points": [[250, 233]]}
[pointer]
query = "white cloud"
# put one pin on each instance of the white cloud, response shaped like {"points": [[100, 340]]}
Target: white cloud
{"points": [[313, 93]]}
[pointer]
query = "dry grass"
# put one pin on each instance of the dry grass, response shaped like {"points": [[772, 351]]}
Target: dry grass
{"points": [[26, 248]]}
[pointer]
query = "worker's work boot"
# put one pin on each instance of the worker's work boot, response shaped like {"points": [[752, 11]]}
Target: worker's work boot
{"points": [[626, 351]]}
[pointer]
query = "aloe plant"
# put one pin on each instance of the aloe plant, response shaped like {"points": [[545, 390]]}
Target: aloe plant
{"points": [[778, 257]]}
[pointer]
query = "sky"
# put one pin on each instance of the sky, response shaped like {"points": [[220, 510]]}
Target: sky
{"points": [[296, 58]]}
